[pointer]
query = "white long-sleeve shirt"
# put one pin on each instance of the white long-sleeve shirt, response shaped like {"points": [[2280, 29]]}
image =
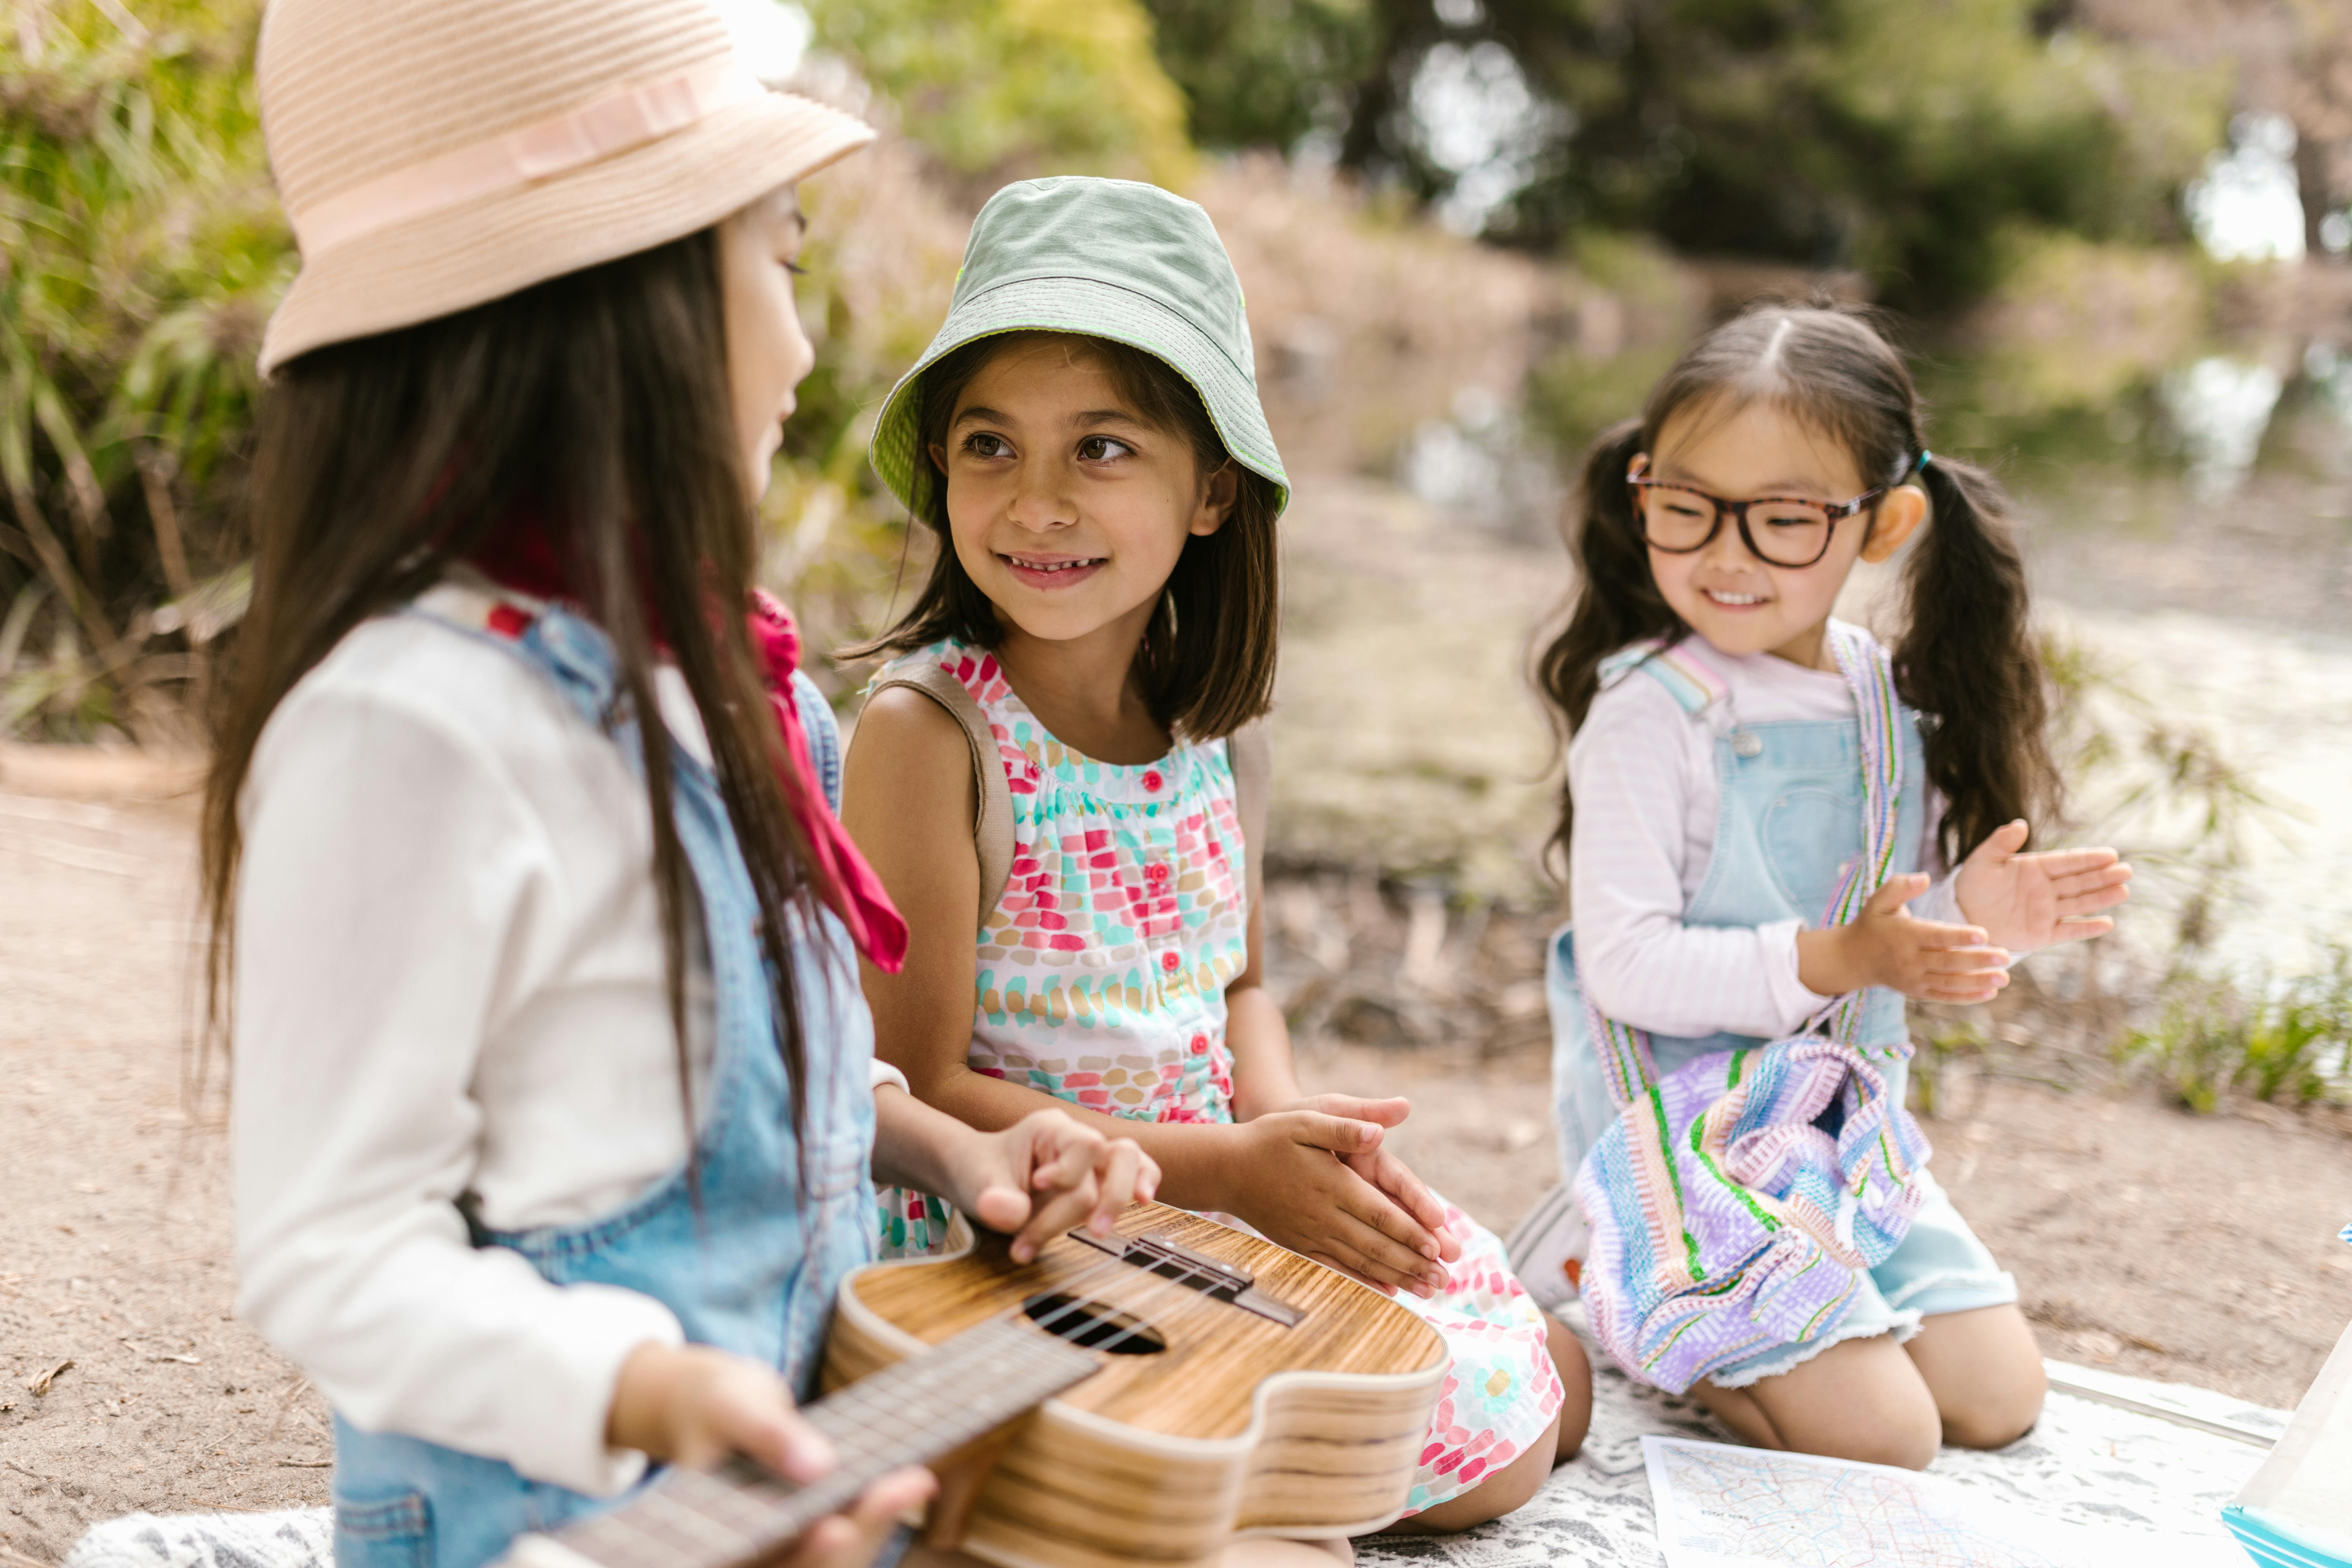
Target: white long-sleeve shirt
{"points": [[449, 978], [1642, 773]]}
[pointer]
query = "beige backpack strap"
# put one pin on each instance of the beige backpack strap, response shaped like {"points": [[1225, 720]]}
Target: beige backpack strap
{"points": [[1253, 764], [991, 822]]}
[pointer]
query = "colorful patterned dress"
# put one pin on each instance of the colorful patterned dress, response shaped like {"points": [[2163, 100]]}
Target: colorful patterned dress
{"points": [[1101, 980]]}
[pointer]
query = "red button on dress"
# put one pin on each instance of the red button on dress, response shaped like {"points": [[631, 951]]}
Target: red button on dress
{"points": [[1156, 871], [1168, 962], [1153, 780]]}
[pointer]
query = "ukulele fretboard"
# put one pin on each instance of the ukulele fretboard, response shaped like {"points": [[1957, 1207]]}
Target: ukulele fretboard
{"points": [[916, 1410]]}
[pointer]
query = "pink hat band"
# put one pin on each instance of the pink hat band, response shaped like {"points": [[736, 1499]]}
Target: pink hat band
{"points": [[435, 155], [617, 122]]}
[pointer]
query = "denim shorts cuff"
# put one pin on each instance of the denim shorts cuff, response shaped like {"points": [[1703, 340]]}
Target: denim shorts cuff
{"points": [[1955, 1291], [1787, 1358]]}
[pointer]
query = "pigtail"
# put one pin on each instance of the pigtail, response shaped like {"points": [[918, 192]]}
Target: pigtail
{"points": [[1967, 657], [1615, 602]]}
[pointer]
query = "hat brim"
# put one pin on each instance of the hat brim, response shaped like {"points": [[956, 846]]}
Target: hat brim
{"points": [[487, 248], [1089, 308]]}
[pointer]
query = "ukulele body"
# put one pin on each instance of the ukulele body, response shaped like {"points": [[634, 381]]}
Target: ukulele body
{"points": [[1240, 1424]]}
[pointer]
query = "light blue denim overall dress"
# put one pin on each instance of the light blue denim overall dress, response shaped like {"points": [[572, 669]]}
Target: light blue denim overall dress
{"points": [[751, 1263], [1790, 823]]}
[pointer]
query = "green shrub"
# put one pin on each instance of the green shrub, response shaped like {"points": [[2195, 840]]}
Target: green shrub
{"points": [[141, 251], [2216, 1037], [1942, 1054]]}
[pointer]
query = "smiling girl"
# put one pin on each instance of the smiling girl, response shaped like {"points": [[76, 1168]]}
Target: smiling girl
{"points": [[1718, 781], [1084, 439]]}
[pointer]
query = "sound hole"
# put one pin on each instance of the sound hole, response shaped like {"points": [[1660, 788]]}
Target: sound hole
{"points": [[1094, 1326]]}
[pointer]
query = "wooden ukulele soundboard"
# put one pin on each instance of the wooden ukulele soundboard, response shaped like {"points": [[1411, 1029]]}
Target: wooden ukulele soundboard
{"points": [[1140, 1399]]}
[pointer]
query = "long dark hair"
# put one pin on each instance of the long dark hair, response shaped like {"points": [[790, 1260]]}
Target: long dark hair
{"points": [[1965, 657], [597, 408], [1208, 657]]}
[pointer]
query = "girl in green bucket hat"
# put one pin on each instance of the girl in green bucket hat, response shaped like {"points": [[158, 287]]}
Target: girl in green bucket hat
{"points": [[1060, 778]]}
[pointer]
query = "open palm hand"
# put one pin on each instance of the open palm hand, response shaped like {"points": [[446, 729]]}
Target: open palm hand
{"points": [[2028, 902]]}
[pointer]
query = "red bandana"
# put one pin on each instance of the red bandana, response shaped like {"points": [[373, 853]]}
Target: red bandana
{"points": [[844, 879], [522, 556]]}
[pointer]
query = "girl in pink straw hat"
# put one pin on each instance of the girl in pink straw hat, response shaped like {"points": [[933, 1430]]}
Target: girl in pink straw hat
{"points": [[555, 1096]]}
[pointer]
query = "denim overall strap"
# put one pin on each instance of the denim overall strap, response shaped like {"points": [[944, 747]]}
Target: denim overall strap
{"points": [[1871, 673], [1628, 1061], [824, 732], [748, 1242]]}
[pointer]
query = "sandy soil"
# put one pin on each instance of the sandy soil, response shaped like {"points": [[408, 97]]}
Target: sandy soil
{"points": [[2197, 1250], [114, 1229]]}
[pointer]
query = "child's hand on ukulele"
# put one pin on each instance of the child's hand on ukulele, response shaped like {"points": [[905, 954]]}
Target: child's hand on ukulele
{"points": [[1927, 961], [1304, 1184], [1076, 1175], [694, 1407], [2028, 901]]}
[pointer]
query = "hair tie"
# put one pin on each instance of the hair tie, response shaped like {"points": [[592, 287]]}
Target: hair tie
{"points": [[1921, 466]]}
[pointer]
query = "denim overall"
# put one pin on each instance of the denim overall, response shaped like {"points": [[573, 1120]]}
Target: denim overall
{"points": [[1790, 823], [750, 1262]]}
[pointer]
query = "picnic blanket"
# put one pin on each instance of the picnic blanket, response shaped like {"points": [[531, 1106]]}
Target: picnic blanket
{"points": [[2085, 1463]]}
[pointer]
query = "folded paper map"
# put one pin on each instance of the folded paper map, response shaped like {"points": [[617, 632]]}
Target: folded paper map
{"points": [[1724, 1506]]}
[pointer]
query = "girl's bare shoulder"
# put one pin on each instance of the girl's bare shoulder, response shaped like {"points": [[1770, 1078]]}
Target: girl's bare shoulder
{"points": [[907, 756], [902, 725]]}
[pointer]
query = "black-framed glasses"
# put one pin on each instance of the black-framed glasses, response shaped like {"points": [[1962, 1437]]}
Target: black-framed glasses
{"points": [[1780, 531]]}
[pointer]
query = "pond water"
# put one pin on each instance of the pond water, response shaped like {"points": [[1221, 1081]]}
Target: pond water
{"points": [[2206, 561]]}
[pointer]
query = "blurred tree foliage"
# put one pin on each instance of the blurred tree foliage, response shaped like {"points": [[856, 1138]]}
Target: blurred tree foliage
{"points": [[1266, 73], [1000, 90], [1898, 137], [141, 249]]}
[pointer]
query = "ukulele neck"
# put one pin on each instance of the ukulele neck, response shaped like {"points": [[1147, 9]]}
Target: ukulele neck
{"points": [[906, 1414]]}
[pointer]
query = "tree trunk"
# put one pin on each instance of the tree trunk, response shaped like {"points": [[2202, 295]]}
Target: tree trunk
{"points": [[2312, 185]]}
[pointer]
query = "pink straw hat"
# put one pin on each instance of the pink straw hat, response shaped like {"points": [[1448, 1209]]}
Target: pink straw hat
{"points": [[437, 154]]}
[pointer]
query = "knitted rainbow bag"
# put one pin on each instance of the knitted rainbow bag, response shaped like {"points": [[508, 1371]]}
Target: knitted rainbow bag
{"points": [[1725, 1222]]}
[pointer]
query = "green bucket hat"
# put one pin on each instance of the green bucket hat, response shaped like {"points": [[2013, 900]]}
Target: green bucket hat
{"points": [[1106, 258]]}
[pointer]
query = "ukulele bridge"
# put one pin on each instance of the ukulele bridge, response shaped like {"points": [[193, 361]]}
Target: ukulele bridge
{"points": [[1156, 1253]]}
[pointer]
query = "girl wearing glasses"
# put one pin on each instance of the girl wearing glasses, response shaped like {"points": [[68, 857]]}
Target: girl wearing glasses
{"points": [[1776, 831]]}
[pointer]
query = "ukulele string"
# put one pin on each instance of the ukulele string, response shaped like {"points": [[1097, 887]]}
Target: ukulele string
{"points": [[1078, 1306], [1169, 1286]]}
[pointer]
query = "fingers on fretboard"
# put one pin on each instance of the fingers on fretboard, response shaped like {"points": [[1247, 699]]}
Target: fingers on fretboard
{"points": [[906, 1414]]}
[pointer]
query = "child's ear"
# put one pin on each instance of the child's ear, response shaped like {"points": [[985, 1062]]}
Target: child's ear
{"points": [[1217, 498], [939, 456], [1900, 513]]}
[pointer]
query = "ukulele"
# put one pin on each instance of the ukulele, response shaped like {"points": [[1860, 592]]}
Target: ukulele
{"points": [[1143, 1397]]}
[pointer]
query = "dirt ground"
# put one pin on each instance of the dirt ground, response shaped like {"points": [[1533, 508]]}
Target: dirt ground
{"points": [[2197, 1250]]}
